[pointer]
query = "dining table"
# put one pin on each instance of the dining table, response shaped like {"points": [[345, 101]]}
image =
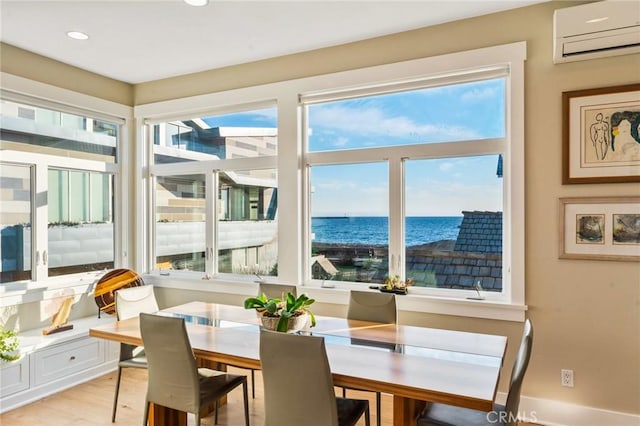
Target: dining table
{"points": [[414, 364]]}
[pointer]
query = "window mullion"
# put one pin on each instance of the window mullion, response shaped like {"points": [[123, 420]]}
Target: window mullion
{"points": [[396, 215], [211, 225], [40, 252]]}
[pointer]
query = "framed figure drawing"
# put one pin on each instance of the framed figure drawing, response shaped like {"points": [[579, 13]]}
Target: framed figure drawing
{"points": [[600, 228], [601, 135]]}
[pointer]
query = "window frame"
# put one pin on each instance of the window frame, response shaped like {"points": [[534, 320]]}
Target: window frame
{"points": [[210, 169], [21, 90], [395, 157], [291, 162]]}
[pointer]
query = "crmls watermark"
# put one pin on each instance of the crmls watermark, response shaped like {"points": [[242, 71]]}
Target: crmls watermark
{"points": [[505, 417]]}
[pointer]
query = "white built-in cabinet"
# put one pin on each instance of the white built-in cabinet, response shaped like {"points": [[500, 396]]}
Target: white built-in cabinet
{"points": [[49, 364]]}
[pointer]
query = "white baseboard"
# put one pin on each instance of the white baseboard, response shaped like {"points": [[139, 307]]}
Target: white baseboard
{"points": [[556, 413]]}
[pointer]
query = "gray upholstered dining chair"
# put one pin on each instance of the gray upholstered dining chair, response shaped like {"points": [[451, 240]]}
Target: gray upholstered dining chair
{"points": [[174, 379], [272, 291], [378, 307], [298, 385], [130, 302], [277, 291], [505, 415]]}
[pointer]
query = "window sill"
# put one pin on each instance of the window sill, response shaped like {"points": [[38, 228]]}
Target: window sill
{"points": [[339, 295], [18, 293]]}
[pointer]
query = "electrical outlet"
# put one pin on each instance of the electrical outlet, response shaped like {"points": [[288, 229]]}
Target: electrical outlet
{"points": [[566, 378]]}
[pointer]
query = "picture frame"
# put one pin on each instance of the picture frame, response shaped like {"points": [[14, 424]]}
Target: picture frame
{"points": [[601, 135], [600, 228]]}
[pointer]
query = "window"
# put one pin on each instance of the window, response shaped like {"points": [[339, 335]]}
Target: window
{"points": [[80, 232], [431, 209], [219, 163], [453, 223], [59, 176], [180, 219], [350, 222], [15, 217]]}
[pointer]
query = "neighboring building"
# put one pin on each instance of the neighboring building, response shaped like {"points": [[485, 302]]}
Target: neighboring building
{"points": [[247, 200], [322, 268]]}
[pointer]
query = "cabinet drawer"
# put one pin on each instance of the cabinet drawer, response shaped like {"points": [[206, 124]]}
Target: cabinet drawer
{"points": [[62, 360], [14, 376]]}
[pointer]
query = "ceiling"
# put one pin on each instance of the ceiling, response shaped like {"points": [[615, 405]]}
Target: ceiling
{"points": [[143, 40]]}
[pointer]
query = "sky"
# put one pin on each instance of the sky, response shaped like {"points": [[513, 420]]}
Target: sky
{"points": [[438, 187]]}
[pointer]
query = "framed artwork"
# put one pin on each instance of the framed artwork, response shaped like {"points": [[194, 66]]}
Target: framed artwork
{"points": [[606, 228], [601, 135]]}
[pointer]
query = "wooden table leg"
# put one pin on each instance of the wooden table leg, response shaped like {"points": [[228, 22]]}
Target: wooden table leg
{"points": [[406, 410], [163, 416]]}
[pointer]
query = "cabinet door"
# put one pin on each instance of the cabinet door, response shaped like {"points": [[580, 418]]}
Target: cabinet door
{"points": [[63, 360], [14, 376]]}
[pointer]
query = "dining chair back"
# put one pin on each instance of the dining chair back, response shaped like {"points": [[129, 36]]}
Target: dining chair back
{"points": [[501, 415], [377, 307], [370, 306], [175, 381], [517, 373], [272, 291], [130, 302], [298, 385], [277, 291]]}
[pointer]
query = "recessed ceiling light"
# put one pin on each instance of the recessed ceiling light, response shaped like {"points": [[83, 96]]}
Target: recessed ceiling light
{"points": [[77, 35], [196, 2]]}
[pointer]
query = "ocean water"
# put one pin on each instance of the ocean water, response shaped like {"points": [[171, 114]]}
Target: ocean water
{"points": [[375, 230]]}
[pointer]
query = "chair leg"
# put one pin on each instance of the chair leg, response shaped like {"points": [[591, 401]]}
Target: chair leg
{"points": [[115, 398], [253, 384], [215, 415], [145, 418], [378, 409], [246, 402], [367, 416]]}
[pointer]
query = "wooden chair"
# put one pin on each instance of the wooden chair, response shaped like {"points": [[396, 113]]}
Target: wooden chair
{"points": [[298, 385], [130, 302], [377, 307], [174, 380], [505, 415]]}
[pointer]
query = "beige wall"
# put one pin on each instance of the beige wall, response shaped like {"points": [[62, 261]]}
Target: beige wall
{"points": [[585, 313], [14, 60]]}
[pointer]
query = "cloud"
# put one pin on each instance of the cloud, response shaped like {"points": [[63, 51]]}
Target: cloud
{"points": [[446, 166], [341, 141], [372, 121], [478, 94]]}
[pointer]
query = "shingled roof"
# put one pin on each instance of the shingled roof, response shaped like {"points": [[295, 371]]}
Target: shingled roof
{"points": [[480, 232]]}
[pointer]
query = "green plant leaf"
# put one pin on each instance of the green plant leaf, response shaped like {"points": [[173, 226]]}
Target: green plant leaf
{"points": [[271, 306], [8, 344], [253, 302]]}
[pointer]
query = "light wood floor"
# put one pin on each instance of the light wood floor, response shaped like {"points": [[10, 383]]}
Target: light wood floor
{"points": [[90, 404]]}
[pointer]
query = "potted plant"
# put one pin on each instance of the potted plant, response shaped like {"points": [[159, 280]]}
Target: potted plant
{"points": [[287, 315], [8, 345], [395, 285]]}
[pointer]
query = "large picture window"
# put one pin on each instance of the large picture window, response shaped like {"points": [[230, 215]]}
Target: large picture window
{"points": [[432, 212]]}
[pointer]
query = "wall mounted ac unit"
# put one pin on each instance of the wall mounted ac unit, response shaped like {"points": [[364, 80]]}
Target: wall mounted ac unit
{"points": [[596, 30]]}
